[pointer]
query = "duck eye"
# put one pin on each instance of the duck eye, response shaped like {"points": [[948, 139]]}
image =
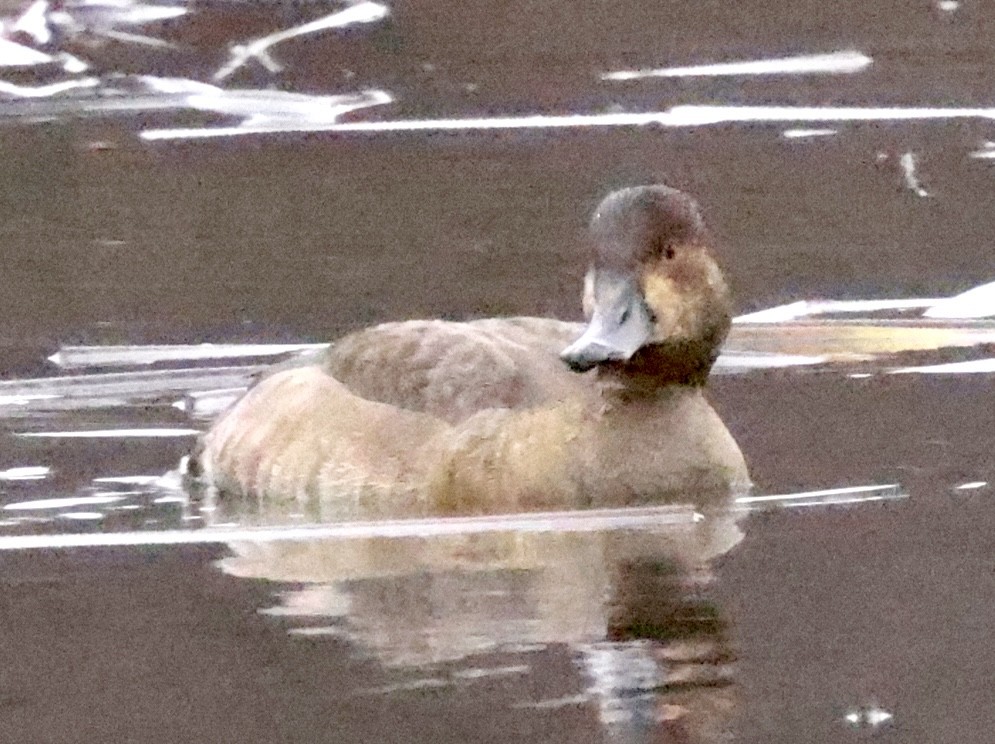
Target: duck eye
{"points": [[668, 252], [624, 316]]}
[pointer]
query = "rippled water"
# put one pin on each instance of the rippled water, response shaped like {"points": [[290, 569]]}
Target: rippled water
{"points": [[439, 160]]}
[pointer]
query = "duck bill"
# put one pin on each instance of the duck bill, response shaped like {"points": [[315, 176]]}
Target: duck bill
{"points": [[620, 325]]}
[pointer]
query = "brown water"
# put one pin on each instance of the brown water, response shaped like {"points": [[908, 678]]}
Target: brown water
{"points": [[818, 614]]}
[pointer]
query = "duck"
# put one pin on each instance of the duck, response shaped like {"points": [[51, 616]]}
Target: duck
{"points": [[516, 414]]}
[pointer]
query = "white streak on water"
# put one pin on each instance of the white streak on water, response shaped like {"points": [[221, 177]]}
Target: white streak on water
{"points": [[45, 91], [64, 503], [701, 115], [973, 366], [34, 22], [679, 116], [805, 308], [977, 302], [276, 107], [536, 121], [655, 518], [482, 672], [417, 684], [170, 500], [908, 163], [13, 54], [82, 515], [23, 400], [872, 717], [317, 630], [136, 480], [845, 495], [208, 403], [732, 361], [971, 486], [362, 12], [132, 38], [554, 703], [109, 433], [593, 520], [801, 133], [143, 384], [27, 472], [117, 13], [78, 357], [806, 64]]}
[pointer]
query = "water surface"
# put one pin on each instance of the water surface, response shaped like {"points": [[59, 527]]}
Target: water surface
{"points": [[869, 181]]}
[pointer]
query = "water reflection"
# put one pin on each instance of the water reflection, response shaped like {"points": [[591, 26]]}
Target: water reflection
{"points": [[634, 608], [833, 63], [356, 13]]}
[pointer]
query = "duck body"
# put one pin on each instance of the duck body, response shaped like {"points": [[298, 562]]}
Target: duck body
{"points": [[420, 418]]}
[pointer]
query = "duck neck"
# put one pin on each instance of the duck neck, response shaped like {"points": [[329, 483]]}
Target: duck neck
{"points": [[656, 367]]}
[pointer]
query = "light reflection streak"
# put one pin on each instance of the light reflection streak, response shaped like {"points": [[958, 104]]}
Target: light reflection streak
{"points": [[842, 501], [81, 357], [208, 403], [482, 672], [977, 302], [970, 367], [908, 164], [34, 22], [26, 472], [89, 516], [320, 630], [265, 107], [110, 433], [806, 308], [872, 717], [64, 503], [833, 63], [536, 121], [854, 341], [733, 360], [796, 329], [844, 495], [594, 520], [802, 133], [46, 91], [417, 684], [46, 392], [24, 400], [679, 116], [101, 16], [258, 49], [137, 480], [582, 521], [13, 54], [701, 115], [554, 703]]}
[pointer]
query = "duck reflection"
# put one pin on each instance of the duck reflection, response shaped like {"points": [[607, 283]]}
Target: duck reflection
{"points": [[632, 606]]}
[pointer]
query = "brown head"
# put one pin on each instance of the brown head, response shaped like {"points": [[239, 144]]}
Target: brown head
{"points": [[656, 303]]}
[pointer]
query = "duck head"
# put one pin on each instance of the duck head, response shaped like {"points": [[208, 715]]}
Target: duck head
{"points": [[656, 303]]}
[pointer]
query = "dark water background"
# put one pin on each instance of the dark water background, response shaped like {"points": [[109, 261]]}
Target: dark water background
{"points": [[298, 237]]}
